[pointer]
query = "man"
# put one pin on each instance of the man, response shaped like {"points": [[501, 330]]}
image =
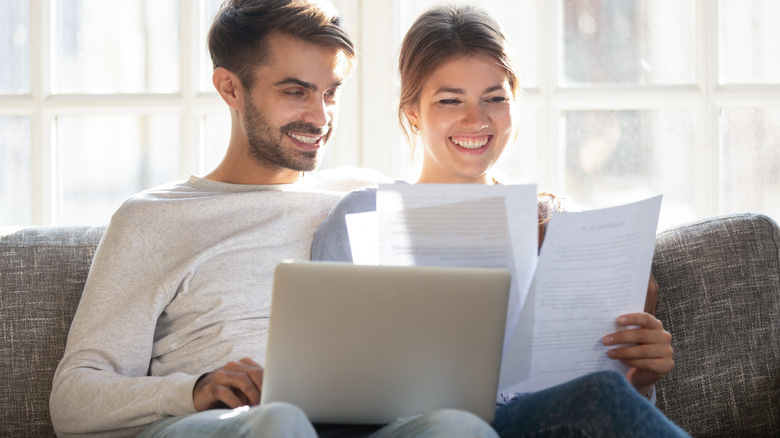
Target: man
{"points": [[170, 333]]}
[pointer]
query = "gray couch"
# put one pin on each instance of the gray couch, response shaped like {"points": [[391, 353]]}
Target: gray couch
{"points": [[719, 297]]}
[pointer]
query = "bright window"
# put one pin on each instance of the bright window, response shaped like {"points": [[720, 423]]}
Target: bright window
{"points": [[623, 99]]}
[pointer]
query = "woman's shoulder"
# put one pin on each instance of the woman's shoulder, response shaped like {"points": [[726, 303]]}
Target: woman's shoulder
{"points": [[357, 201]]}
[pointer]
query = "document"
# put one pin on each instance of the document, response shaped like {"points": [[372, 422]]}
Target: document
{"points": [[593, 267], [469, 225]]}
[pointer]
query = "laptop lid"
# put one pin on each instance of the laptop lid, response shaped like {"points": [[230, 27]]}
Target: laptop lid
{"points": [[368, 344]]}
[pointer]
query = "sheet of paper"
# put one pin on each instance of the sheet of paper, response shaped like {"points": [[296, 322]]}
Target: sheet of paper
{"points": [[470, 225], [593, 266], [363, 233]]}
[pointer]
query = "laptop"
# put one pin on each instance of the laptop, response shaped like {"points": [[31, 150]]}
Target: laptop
{"points": [[358, 344]]}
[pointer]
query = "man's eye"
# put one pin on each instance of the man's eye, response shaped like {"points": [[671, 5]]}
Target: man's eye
{"points": [[295, 93]]}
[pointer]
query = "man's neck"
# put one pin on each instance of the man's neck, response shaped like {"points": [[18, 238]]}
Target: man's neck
{"points": [[241, 173]]}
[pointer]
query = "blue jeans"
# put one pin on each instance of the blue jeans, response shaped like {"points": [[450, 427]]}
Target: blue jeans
{"points": [[602, 404], [598, 405]]}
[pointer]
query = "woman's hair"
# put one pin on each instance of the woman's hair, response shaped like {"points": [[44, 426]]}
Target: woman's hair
{"points": [[441, 34], [238, 36]]}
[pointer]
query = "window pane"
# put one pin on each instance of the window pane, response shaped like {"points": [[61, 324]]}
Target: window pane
{"points": [[208, 9], [750, 142], [101, 160], [15, 190], [128, 46], [518, 164], [616, 157], [216, 132], [518, 19], [749, 39], [14, 47], [629, 42]]}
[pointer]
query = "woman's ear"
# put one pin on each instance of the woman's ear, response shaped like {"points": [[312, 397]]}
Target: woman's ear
{"points": [[229, 87], [414, 119]]}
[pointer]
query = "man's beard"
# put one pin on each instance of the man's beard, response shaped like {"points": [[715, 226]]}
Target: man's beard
{"points": [[265, 141]]}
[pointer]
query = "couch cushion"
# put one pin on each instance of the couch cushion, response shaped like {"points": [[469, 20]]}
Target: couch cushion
{"points": [[720, 298], [42, 274]]}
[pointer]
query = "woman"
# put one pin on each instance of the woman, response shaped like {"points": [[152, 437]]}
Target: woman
{"points": [[459, 99]]}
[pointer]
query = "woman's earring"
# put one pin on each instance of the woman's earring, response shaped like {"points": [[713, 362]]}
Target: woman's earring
{"points": [[415, 129]]}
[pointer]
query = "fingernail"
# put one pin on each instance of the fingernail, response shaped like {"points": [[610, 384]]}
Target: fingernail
{"points": [[607, 339], [611, 353], [622, 320]]}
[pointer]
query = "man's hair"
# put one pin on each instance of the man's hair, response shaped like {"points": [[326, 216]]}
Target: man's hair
{"points": [[238, 36], [441, 34]]}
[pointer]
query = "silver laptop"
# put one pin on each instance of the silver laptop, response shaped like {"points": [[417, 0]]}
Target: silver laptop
{"points": [[368, 344]]}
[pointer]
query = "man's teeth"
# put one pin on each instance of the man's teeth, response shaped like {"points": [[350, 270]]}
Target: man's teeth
{"points": [[303, 138], [471, 143]]}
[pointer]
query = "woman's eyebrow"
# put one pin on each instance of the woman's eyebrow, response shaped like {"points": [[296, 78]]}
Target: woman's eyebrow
{"points": [[449, 90], [498, 87], [454, 90]]}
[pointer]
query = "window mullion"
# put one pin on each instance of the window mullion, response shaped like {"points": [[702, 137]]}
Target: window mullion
{"points": [[190, 147], [709, 185], [41, 153], [552, 175]]}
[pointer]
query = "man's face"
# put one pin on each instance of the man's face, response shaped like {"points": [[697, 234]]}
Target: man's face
{"points": [[290, 112]]}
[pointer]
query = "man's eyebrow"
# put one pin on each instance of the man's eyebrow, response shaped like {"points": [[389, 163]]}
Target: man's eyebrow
{"points": [[304, 84]]}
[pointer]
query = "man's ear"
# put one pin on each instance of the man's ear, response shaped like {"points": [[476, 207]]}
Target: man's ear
{"points": [[229, 87]]}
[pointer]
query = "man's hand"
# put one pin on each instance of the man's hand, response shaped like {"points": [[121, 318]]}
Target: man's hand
{"points": [[235, 384], [650, 358]]}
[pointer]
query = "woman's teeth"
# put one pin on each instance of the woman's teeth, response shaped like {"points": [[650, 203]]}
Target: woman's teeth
{"points": [[471, 143]]}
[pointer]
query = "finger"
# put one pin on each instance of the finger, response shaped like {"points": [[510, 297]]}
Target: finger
{"points": [[656, 367], [243, 385], [227, 396], [254, 371], [238, 382], [644, 320], [649, 351], [638, 336]]}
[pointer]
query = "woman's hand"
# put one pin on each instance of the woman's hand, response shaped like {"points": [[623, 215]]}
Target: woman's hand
{"points": [[649, 353], [235, 384]]}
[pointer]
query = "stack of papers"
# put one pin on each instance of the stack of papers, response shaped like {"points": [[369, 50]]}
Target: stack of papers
{"points": [[593, 266]]}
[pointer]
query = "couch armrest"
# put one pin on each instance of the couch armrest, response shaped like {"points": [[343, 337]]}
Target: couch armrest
{"points": [[719, 296]]}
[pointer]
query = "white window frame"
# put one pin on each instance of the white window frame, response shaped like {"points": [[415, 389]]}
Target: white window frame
{"points": [[706, 98], [368, 135]]}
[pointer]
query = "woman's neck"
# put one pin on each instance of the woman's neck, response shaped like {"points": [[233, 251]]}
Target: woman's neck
{"points": [[482, 179]]}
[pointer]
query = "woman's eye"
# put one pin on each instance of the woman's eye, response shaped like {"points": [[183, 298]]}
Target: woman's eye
{"points": [[497, 99], [449, 101]]}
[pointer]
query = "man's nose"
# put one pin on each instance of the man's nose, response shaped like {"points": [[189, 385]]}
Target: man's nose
{"points": [[318, 112]]}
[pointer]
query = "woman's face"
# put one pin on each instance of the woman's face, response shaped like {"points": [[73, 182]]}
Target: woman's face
{"points": [[466, 118]]}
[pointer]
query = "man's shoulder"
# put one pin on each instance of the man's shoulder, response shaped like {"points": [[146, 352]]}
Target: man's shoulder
{"points": [[169, 190]]}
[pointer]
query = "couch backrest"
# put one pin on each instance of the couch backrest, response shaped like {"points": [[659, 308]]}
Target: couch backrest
{"points": [[719, 297], [42, 275]]}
